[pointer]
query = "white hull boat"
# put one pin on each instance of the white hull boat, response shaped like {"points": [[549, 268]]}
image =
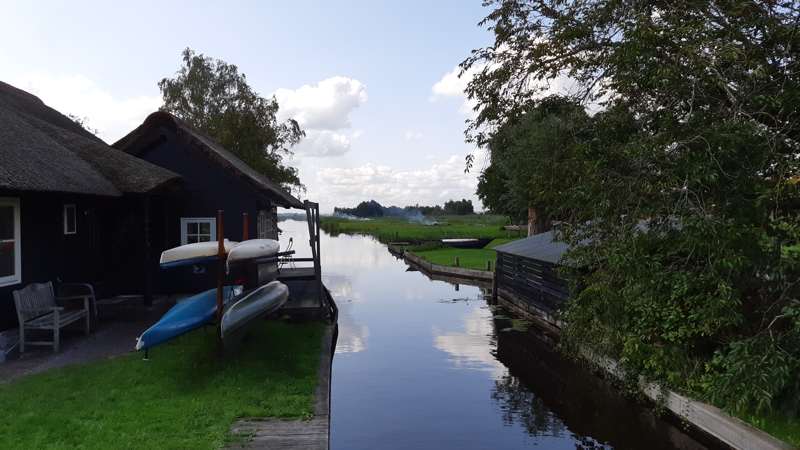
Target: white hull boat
{"points": [[252, 306], [252, 249], [193, 253]]}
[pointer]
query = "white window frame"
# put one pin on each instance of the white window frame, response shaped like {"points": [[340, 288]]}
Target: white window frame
{"points": [[67, 207], [261, 223], [187, 220], [16, 278]]}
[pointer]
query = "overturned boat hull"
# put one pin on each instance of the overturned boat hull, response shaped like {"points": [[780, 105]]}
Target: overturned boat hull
{"points": [[252, 306], [189, 314]]}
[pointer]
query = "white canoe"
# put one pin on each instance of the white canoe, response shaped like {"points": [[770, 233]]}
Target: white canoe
{"points": [[253, 248], [254, 305], [194, 251]]}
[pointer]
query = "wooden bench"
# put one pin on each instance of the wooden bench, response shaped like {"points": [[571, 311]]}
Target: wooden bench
{"points": [[38, 309]]}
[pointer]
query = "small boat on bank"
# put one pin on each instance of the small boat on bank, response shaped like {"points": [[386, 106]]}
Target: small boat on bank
{"points": [[252, 249], [465, 243], [189, 314], [193, 254], [252, 306]]}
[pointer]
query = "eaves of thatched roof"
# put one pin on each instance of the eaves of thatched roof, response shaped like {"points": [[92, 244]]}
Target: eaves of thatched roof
{"points": [[43, 150], [142, 138]]}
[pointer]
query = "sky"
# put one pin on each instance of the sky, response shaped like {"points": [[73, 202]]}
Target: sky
{"points": [[373, 83]]}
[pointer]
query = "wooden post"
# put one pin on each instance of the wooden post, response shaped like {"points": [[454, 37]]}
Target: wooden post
{"points": [[245, 227], [457, 265], [148, 274], [220, 269], [489, 265]]}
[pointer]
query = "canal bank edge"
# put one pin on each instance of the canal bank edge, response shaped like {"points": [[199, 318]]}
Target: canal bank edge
{"points": [[418, 261], [710, 419], [312, 434]]}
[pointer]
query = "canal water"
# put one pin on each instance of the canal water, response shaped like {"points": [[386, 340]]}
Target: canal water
{"points": [[425, 364]]}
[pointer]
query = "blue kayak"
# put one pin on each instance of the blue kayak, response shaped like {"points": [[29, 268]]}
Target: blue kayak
{"points": [[189, 314]]}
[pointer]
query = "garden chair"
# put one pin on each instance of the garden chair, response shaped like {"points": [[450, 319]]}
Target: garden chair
{"points": [[38, 309]]}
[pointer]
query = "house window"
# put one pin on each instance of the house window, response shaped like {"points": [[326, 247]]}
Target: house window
{"points": [[10, 242], [262, 224], [198, 229], [70, 219]]}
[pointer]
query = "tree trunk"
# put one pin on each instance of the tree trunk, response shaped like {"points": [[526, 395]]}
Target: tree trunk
{"points": [[537, 222]]}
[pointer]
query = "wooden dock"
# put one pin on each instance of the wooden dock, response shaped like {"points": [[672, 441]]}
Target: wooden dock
{"points": [[298, 434]]}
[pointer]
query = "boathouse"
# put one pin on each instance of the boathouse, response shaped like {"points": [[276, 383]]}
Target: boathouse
{"points": [[71, 207], [525, 274], [213, 178]]}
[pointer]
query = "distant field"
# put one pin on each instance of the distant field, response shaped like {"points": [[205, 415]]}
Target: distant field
{"points": [[392, 229], [470, 258]]}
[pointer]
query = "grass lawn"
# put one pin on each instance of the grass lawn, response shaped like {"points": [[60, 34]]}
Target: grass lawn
{"points": [[470, 258], [393, 229], [782, 427], [185, 396]]}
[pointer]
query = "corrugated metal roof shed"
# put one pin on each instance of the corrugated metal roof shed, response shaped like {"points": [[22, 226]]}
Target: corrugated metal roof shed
{"points": [[541, 246]]}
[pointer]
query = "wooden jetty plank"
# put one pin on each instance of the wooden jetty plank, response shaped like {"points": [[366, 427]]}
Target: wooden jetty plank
{"points": [[298, 434]]}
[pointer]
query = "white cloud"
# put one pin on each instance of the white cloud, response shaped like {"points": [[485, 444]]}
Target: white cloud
{"points": [[324, 143], [452, 84], [78, 95], [411, 135], [442, 180], [323, 106], [323, 110]]}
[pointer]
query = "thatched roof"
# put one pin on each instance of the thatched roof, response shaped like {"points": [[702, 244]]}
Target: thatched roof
{"points": [[148, 133], [43, 150]]}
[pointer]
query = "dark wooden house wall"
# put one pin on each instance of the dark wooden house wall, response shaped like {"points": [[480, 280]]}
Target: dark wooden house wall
{"points": [[531, 280], [47, 254], [206, 188]]}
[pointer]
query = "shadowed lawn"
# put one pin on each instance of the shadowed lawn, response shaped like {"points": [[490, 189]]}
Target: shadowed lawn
{"points": [[185, 396], [470, 258]]}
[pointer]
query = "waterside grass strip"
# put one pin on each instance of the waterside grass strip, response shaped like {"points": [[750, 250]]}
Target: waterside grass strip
{"points": [[418, 261], [311, 433]]}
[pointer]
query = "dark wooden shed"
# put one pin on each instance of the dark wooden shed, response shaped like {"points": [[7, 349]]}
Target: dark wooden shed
{"points": [[71, 207], [213, 179], [526, 273]]}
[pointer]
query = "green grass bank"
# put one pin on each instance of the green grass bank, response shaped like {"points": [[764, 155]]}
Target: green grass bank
{"points": [[469, 258], [185, 396], [395, 229]]}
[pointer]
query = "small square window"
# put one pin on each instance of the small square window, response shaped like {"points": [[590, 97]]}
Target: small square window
{"points": [[70, 219], [198, 229]]}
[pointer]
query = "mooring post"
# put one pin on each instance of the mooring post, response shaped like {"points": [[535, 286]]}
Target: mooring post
{"points": [[245, 227], [220, 269], [457, 262]]}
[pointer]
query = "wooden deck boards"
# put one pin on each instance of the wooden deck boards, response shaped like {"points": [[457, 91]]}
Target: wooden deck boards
{"points": [[284, 434], [279, 434]]}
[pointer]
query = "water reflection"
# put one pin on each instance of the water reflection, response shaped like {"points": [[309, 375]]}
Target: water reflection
{"points": [[472, 347], [420, 364]]}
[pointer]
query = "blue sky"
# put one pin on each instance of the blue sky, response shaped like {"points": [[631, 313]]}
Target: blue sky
{"points": [[369, 79]]}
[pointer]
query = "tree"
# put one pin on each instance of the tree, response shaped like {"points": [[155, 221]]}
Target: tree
{"points": [[682, 215], [461, 207], [213, 97]]}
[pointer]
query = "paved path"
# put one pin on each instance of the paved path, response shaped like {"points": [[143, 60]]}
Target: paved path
{"points": [[114, 336]]}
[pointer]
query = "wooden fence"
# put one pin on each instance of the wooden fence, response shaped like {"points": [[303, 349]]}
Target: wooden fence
{"points": [[532, 280]]}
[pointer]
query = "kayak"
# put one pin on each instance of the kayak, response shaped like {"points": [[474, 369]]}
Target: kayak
{"points": [[256, 304], [189, 314], [195, 253], [465, 243], [252, 249]]}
